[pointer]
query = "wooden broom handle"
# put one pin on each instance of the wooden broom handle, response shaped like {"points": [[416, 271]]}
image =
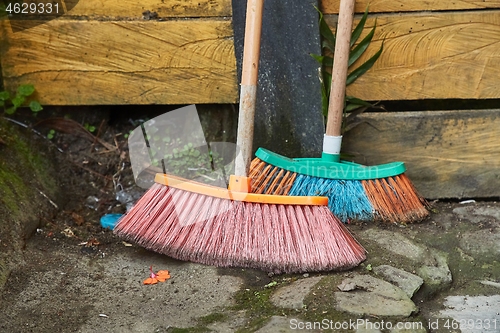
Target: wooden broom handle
{"points": [[248, 89], [339, 70]]}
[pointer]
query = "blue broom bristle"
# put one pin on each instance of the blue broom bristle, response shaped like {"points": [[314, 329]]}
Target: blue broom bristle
{"points": [[346, 198]]}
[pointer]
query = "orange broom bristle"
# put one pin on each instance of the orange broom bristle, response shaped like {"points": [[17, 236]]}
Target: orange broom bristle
{"points": [[222, 232], [262, 174], [394, 199]]}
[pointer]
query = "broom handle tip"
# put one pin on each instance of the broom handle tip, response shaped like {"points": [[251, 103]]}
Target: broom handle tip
{"points": [[340, 66]]}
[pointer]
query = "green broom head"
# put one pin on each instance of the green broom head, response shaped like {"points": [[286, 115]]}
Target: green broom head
{"points": [[381, 192]]}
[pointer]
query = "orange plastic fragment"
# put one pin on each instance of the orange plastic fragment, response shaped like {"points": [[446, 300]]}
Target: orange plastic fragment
{"points": [[162, 276], [154, 278], [150, 281]]}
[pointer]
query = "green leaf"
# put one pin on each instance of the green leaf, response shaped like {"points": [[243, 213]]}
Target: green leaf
{"points": [[324, 100], [359, 28], [327, 79], [327, 61], [357, 101], [353, 76], [318, 58], [35, 106], [361, 47], [11, 109], [325, 31], [351, 107], [328, 45], [18, 100], [25, 90], [325, 91], [4, 95]]}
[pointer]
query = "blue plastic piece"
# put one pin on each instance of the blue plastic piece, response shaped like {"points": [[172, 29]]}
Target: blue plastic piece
{"points": [[346, 198], [109, 221]]}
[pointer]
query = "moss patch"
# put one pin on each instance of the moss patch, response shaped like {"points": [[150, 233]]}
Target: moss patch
{"points": [[12, 190], [25, 171]]}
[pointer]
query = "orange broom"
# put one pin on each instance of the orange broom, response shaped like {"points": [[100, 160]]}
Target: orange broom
{"points": [[215, 226], [354, 191]]}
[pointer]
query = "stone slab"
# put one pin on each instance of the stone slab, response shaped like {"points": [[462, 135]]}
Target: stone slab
{"points": [[292, 296], [408, 282], [375, 297]]}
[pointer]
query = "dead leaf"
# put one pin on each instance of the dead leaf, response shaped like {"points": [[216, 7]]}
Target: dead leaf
{"points": [[68, 233], [79, 220], [92, 242]]}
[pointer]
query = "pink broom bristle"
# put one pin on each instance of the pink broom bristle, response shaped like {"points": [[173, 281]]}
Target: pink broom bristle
{"points": [[226, 233]]}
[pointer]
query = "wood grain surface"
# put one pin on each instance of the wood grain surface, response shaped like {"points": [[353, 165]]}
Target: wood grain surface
{"points": [[388, 6], [448, 154], [131, 9], [75, 62], [432, 56]]}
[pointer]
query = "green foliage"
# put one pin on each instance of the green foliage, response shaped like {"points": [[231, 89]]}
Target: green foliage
{"points": [[10, 103], [352, 104], [51, 134], [90, 128]]}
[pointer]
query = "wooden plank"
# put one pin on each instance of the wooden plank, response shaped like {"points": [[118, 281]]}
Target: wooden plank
{"points": [[449, 154], [123, 62], [131, 9], [431, 56], [387, 6]]}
